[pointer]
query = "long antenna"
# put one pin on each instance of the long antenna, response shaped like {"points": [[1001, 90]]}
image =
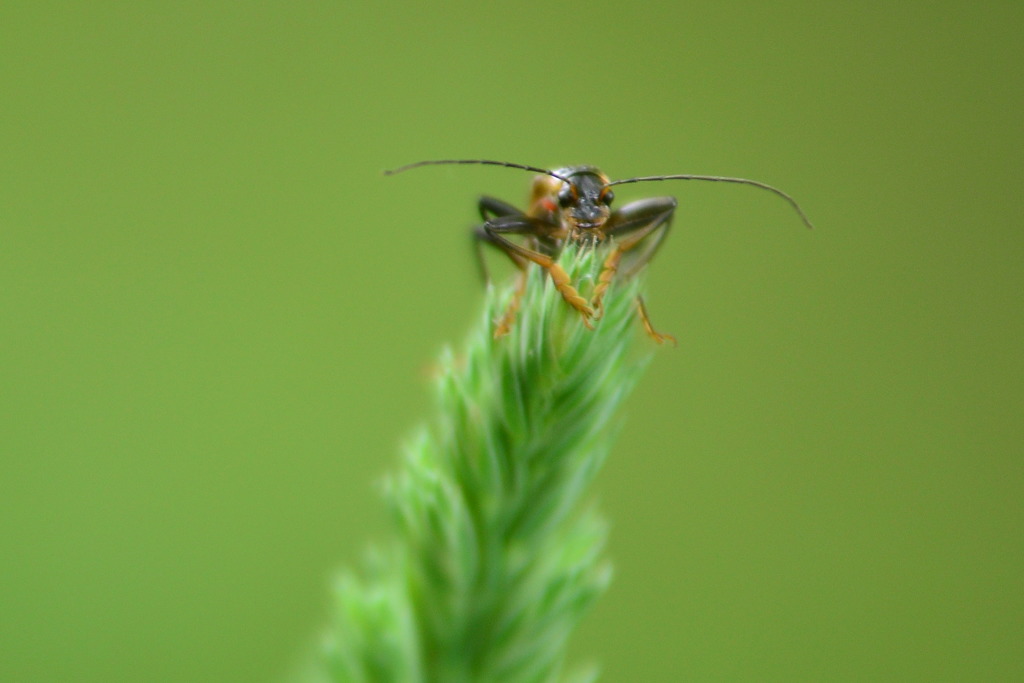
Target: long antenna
{"points": [[486, 162], [722, 179]]}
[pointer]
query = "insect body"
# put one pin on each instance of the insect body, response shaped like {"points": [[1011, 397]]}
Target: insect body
{"points": [[573, 205]]}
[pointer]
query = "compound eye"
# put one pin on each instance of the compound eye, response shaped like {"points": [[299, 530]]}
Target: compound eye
{"points": [[607, 196], [566, 198]]}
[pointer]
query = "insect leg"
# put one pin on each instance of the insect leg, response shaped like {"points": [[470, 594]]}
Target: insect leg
{"points": [[489, 208], [645, 222], [525, 225], [504, 325], [481, 236], [645, 320]]}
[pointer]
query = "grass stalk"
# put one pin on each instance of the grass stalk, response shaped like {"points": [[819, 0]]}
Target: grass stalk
{"points": [[498, 556]]}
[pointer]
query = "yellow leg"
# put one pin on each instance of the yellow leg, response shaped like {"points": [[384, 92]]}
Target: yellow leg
{"points": [[558, 275], [608, 270], [504, 325], [645, 319], [564, 285]]}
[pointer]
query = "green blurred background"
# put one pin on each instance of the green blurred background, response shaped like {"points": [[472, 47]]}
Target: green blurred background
{"points": [[219, 320]]}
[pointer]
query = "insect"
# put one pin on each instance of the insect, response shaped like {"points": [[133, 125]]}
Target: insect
{"points": [[573, 205]]}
